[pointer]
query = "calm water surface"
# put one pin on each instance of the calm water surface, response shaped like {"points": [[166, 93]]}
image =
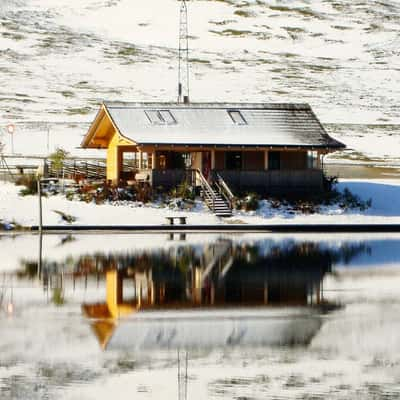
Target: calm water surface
{"points": [[200, 316]]}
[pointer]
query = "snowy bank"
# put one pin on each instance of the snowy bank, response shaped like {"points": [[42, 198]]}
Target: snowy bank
{"points": [[385, 196]]}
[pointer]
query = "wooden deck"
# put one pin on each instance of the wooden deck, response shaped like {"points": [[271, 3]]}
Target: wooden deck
{"points": [[274, 182], [263, 182]]}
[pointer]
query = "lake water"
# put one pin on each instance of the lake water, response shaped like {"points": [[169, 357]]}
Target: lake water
{"points": [[217, 316]]}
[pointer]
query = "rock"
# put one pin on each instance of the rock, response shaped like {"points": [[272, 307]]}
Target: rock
{"points": [[65, 217]]}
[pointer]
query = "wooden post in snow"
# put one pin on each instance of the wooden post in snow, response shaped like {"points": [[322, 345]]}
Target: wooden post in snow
{"points": [[39, 187]]}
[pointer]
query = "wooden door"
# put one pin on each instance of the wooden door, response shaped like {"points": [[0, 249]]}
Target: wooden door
{"points": [[206, 164]]}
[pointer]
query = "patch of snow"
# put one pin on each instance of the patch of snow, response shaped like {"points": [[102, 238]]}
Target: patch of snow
{"points": [[385, 196]]}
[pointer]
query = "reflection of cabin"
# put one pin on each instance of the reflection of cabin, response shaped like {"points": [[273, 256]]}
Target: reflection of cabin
{"points": [[224, 278], [267, 148]]}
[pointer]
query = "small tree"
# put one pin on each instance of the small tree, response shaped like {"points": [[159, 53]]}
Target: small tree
{"points": [[57, 159]]}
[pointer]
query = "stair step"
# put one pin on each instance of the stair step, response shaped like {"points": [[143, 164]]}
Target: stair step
{"points": [[223, 214], [217, 203]]}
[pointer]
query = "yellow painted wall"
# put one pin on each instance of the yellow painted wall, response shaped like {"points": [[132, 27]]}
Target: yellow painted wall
{"points": [[114, 290], [113, 159]]}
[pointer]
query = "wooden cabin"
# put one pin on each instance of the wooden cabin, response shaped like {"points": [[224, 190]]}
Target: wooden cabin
{"points": [[265, 148]]}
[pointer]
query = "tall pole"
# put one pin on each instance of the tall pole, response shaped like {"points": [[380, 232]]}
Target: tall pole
{"points": [[11, 129], [183, 61], [40, 256], [39, 187], [48, 139]]}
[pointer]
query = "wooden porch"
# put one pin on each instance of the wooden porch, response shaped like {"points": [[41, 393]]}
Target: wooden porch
{"points": [[263, 182], [275, 181], [262, 171]]}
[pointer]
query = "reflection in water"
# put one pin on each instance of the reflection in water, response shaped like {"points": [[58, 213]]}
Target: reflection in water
{"points": [[182, 375], [228, 285], [251, 313]]}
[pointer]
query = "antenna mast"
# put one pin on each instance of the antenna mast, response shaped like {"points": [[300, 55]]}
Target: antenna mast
{"points": [[183, 73]]}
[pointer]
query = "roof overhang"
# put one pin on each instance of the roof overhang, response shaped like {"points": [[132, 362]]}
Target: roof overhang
{"points": [[227, 146], [102, 130], [134, 129]]}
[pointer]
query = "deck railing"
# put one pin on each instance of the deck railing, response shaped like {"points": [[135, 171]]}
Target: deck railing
{"points": [[229, 182], [207, 192], [279, 181], [223, 189]]}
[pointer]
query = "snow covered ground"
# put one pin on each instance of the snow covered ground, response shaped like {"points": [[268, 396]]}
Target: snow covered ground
{"points": [[385, 195]]}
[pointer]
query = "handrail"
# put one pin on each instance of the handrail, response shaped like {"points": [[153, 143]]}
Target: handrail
{"points": [[224, 186], [207, 189], [224, 189]]}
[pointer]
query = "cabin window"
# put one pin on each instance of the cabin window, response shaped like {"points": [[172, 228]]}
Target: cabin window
{"points": [[188, 160], [130, 160], [237, 117], [160, 117], [167, 116], [233, 159], [163, 161], [274, 160], [312, 159]]}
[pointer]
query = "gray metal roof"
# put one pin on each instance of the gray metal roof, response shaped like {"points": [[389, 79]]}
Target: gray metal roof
{"points": [[211, 124]]}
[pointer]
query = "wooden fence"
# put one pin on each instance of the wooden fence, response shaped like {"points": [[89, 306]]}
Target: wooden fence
{"points": [[274, 182], [263, 182]]}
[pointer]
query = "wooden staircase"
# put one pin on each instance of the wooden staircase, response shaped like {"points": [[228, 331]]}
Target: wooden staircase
{"points": [[215, 197], [217, 204]]}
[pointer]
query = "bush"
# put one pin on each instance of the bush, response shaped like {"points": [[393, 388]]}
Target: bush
{"points": [[311, 203], [30, 183], [183, 191], [349, 200], [100, 193], [250, 202], [57, 159], [143, 193], [329, 182], [58, 297]]}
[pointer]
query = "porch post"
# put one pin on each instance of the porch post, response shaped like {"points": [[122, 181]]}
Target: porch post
{"points": [[265, 159], [212, 160], [140, 159], [114, 163], [120, 160], [318, 160]]}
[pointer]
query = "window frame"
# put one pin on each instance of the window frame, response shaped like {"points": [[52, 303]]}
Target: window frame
{"points": [[241, 121], [274, 160], [160, 114]]}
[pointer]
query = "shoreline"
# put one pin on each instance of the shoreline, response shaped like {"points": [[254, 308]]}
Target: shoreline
{"points": [[253, 228]]}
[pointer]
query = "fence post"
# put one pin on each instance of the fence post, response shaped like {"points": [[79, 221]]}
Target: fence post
{"points": [[39, 187]]}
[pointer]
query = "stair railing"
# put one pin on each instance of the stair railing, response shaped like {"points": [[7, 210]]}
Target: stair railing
{"points": [[209, 195], [224, 189]]}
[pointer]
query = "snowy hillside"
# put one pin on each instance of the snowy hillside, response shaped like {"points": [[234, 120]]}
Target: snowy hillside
{"points": [[60, 59]]}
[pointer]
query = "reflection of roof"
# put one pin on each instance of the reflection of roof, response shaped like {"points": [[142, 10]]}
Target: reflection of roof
{"points": [[103, 330], [103, 324], [220, 124], [204, 330], [97, 310]]}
